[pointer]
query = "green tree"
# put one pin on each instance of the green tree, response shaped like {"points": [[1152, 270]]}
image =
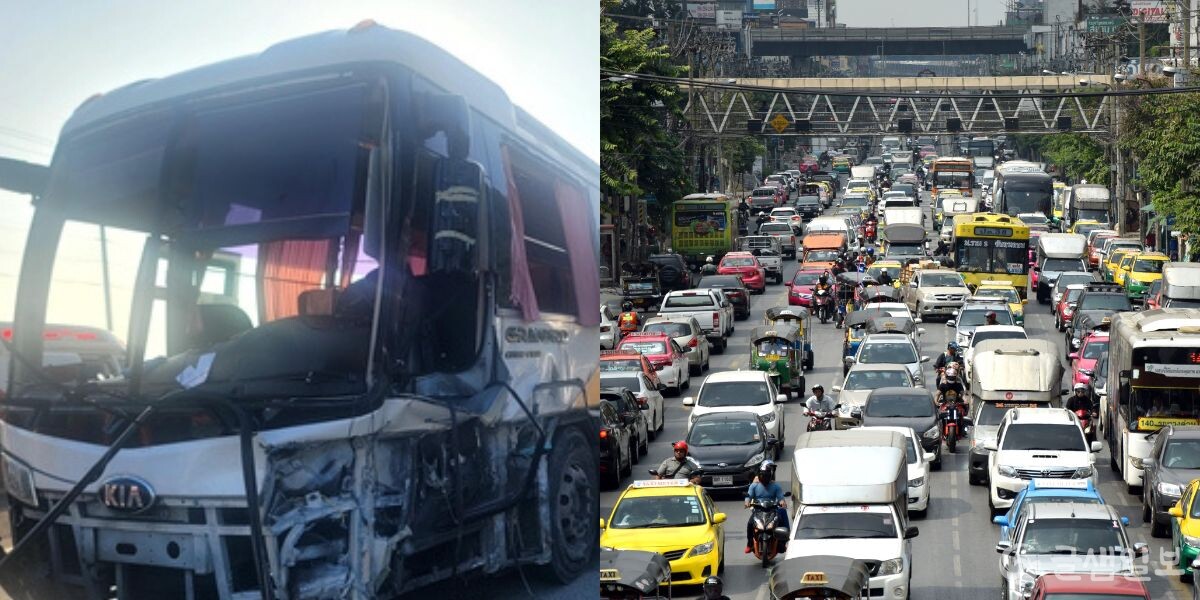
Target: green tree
{"points": [[741, 153], [1163, 134], [639, 151], [1077, 156]]}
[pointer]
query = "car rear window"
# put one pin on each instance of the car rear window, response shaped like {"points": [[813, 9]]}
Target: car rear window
{"points": [[644, 347], [672, 329], [692, 301]]}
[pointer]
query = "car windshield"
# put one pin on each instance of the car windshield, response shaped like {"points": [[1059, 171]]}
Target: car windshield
{"points": [[1144, 265], [658, 511], [1057, 265], [629, 382], [1044, 436], [1182, 454], [724, 433], [775, 227], [855, 202], [783, 213], [991, 413], [1094, 349], [808, 200], [774, 346], [869, 380], [644, 347], [983, 336], [1073, 295], [689, 301], [740, 261], [975, 318], [821, 256], [1104, 302], [672, 329], [719, 281], [887, 352], [733, 393], [882, 405], [1008, 295], [910, 451], [893, 272], [1072, 536], [620, 364], [806, 278], [941, 280], [1067, 279], [1091, 595], [818, 525]]}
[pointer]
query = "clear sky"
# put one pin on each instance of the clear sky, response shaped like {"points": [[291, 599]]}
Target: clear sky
{"points": [[544, 54], [919, 13]]}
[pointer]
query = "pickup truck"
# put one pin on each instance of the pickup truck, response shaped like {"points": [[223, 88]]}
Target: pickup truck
{"points": [[709, 306], [769, 251], [935, 292]]}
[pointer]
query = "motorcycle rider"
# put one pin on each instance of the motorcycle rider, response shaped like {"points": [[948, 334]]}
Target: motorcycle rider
{"points": [[714, 589], [946, 358], [709, 268], [950, 382], [823, 283], [991, 318], [943, 249], [884, 278], [680, 465], [629, 321], [765, 488], [818, 402], [1079, 399]]}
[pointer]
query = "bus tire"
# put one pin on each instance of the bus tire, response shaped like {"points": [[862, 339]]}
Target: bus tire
{"points": [[574, 507]]}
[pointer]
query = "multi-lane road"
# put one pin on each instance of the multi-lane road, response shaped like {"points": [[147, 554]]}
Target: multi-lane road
{"points": [[954, 556]]}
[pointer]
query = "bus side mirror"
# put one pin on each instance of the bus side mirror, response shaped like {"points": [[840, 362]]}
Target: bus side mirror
{"points": [[458, 191]]}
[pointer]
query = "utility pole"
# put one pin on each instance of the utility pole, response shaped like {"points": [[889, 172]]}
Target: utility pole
{"points": [[1141, 45], [1181, 74]]}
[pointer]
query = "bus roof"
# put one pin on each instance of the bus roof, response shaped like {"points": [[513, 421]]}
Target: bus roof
{"points": [[997, 219], [365, 43], [711, 196]]}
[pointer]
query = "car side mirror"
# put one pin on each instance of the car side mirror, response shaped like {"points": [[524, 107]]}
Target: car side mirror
{"points": [[951, 323], [662, 387], [836, 388], [1003, 546], [929, 456], [718, 518], [918, 321], [911, 532], [781, 398], [1024, 300], [1073, 356], [920, 330], [924, 359], [912, 284], [1001, 520], [849, 360], [688, 349], [689, 401], [603, 523], [1097, 446], [1088, 372], [1175, 511], [1148, 463], [990, 446]]}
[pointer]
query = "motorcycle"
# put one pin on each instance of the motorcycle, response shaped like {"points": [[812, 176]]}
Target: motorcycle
{"points": [[952, 412], [769, 533], [869, 231], [1087, 422], [824, 305], [821, 421]]}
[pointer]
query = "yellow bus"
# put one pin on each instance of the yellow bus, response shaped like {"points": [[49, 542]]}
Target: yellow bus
{"points": [[991, 246], [1060, 193]]}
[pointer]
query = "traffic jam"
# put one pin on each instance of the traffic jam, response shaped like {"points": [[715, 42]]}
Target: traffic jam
{"points": [[924, 368]]}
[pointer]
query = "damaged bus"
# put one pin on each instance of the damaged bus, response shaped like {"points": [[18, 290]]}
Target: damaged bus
{"points": [[358, 292]]}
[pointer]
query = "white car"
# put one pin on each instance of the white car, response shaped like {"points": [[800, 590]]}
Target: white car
{"points": [[867, 532], [751, 391], [989, 332], [860, 380], [687, 333], [608, 327], [889, 348], [918, 468], [896, 309], [974, 315], [649, 398], [790, 216], [1036, 442]]}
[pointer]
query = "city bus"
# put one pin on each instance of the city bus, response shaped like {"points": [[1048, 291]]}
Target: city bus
{"points": [[1061, 191], [1022, 187], [704, 225], [1154, 381], [393, 388], [952, 172], [991, 246]]}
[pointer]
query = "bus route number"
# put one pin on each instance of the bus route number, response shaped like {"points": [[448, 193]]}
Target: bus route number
{"points": [[994, 231]]}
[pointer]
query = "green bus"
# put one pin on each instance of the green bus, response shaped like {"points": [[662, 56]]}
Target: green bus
{"points": [[704, 225]]}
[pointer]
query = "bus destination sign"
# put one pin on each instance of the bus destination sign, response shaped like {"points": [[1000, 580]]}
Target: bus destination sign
{"points": [[994, 231]]}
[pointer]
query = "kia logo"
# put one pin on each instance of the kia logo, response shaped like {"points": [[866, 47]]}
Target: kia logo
{"points": [[126, 493]]}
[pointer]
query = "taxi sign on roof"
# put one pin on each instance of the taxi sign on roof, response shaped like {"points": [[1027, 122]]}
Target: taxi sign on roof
{"points": [[1061, 484], [660, 483], [814, 578], [610, 575]]}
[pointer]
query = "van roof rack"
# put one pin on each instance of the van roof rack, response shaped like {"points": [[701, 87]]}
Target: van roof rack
{"points": [[1100, 286]]}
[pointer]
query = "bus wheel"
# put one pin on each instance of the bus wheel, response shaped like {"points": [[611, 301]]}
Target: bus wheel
{"points": [[574, 508]]}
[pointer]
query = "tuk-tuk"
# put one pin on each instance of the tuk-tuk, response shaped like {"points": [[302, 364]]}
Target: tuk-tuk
{"points": [[877, 293], [634, 575], [644, 292], [798, 318], [774, 350], [894, 324], [836, 577], [849, 284]]}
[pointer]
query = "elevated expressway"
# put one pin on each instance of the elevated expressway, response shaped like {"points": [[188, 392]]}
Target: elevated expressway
{"points": [[887, 41]]}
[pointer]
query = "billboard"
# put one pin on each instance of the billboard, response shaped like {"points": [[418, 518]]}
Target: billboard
{"points": [[702, 10], [764, 4], [1104, 24], [1150, 11], [731, 19]]}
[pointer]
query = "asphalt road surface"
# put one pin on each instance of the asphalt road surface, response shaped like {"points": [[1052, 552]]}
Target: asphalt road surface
{"points": [[954, 556]]}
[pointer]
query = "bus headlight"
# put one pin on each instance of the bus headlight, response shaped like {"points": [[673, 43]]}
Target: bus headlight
{"points": [[18, 481]]}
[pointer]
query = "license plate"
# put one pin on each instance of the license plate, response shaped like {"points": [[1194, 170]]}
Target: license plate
{"points": [[722, 479]]}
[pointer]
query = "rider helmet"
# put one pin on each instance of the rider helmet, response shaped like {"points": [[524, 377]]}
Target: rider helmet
{"points": [[627, 306], [767, 466], [713, 588], [1080, 386], [952, 346], [708, 260], [951, 372], [991, 314], [680, 445], [818, 387]]}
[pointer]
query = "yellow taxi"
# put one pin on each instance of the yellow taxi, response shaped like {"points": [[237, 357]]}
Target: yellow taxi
{"points": [[673, 518], [1123, 268], [860, 187], [1145, 269], [1111, 262], [1185, 526], [842, 164], [1005, 290], [1083, 226], [893, 268]]}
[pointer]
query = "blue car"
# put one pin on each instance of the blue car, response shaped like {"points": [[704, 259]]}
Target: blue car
{"points": [[1048, 490]]}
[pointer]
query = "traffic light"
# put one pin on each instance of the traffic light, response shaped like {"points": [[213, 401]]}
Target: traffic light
{"points": [[802, 125], [1064, 123], [754, 125], [904, 125], [1012, 123], [953, 125]]}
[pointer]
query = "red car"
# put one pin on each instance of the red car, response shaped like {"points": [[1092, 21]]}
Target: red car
{"points": [[1065, 309], [664, 353], [1093, 250], [1071, 586], [801, 288], [1095, 344], [627, 360], [809, 165], [1154, 295], [746, 265]]}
